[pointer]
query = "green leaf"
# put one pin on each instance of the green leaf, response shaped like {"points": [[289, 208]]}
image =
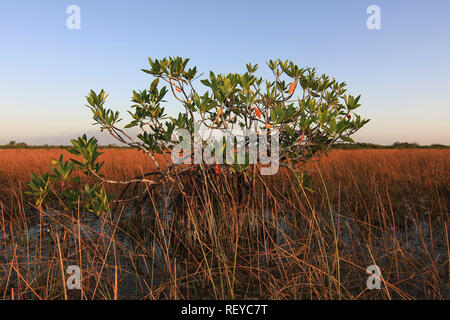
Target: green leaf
{"points": [[347, 139]]}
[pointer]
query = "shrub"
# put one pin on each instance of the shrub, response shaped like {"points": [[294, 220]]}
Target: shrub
{"points": [[307, 111]]}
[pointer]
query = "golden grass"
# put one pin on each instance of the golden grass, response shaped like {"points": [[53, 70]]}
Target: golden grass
{"points": [[415, 169], [275, 241]]}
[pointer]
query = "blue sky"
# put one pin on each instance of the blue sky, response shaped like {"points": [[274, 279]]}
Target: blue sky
{"points": [[402, 71]]}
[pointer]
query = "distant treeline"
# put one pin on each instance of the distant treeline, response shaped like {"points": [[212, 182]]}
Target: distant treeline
{"points": [[23, 145], [395, 145], [346, 146]]}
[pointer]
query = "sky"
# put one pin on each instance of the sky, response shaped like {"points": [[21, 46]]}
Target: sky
{"points": [[402, 70]]}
